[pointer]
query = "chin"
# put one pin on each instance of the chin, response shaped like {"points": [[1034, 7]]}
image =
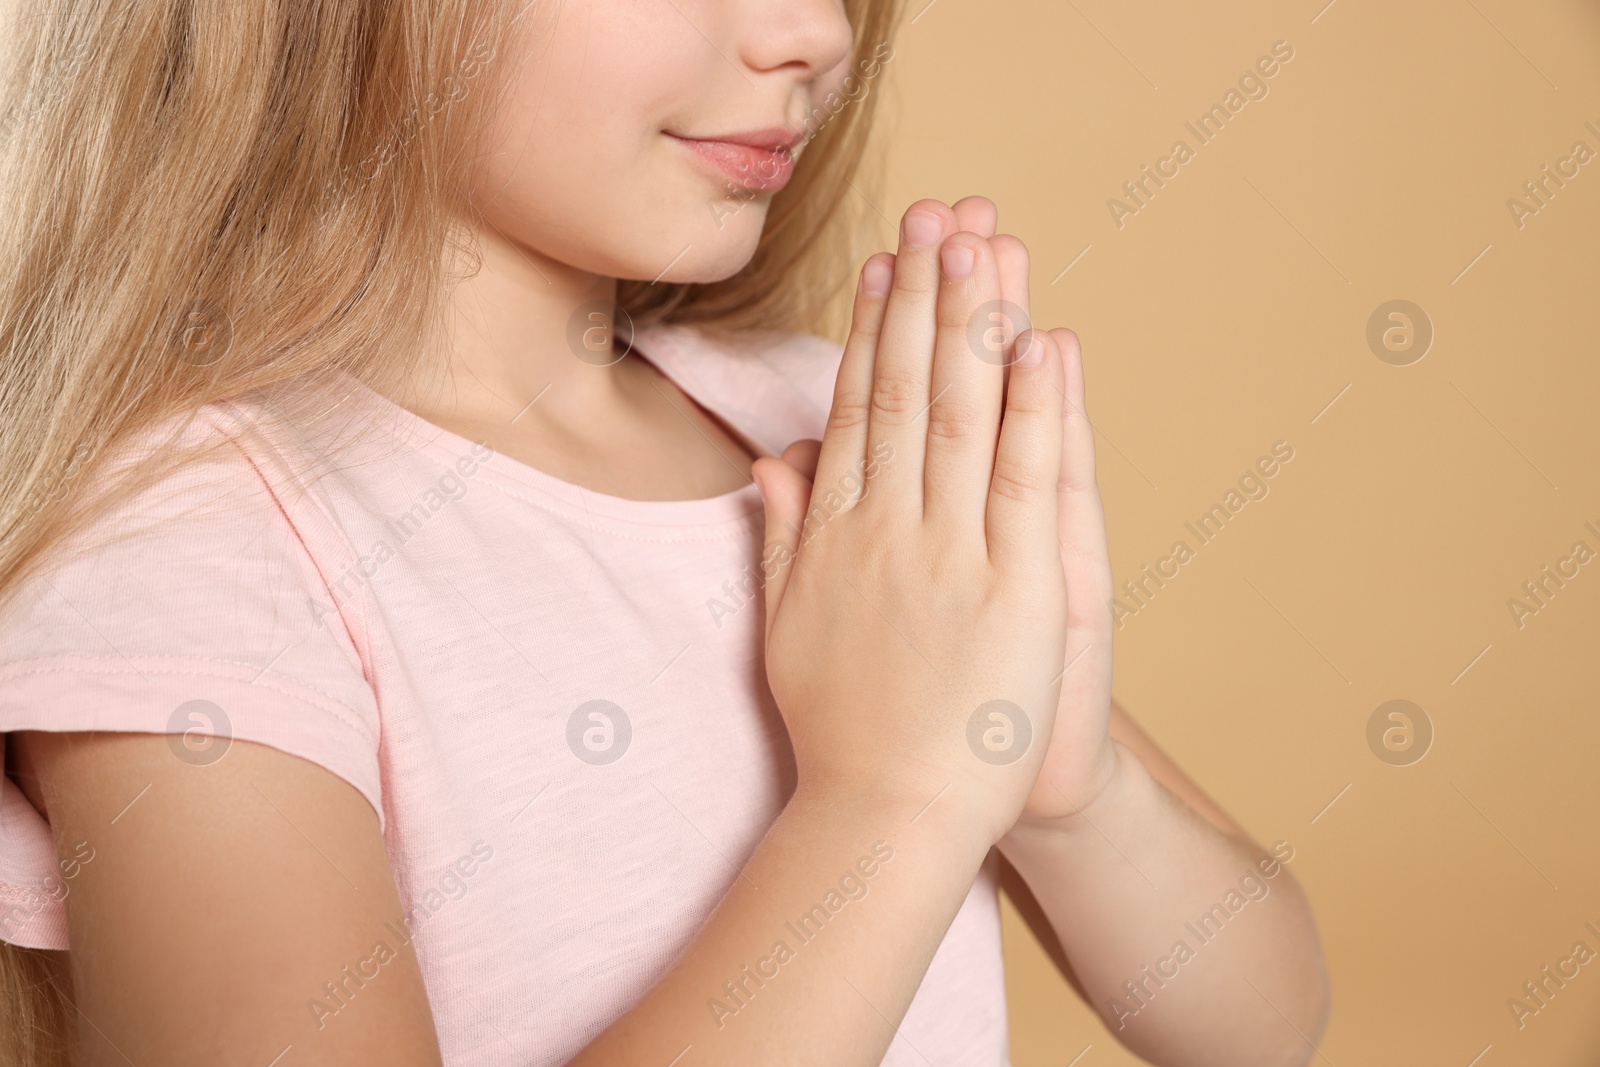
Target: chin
{"points": [[718, 264], [701, 254]]}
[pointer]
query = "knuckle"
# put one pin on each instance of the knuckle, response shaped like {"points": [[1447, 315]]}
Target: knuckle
{"points": [[849, 412], [864, 327], [1074, 485], [1040, 419], [919, 280], [952, 420], [1016, 478], [896, 392], [916, 274], [1031, 403]]}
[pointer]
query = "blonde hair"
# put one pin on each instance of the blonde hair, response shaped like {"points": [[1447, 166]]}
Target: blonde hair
{"points": [[211, 198]]}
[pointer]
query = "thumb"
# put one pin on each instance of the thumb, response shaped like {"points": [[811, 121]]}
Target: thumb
{"points": [[786, 493], [802, 455]]}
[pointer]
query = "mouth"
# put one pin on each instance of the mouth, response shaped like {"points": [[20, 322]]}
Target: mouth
{"points": [[760, 161]]}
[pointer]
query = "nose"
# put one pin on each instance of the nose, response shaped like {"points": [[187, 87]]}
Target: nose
{"points": [[810, 36]]}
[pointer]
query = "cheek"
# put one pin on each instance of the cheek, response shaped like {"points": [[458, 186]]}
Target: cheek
{"points": [[837, 91], [578, 168]]}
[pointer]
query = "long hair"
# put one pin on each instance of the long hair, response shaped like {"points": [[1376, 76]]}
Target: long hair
{"points": [[205, 199]]}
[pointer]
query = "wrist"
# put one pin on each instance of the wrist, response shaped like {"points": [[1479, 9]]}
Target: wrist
{"points": [[1125, 795], [932, 816]]}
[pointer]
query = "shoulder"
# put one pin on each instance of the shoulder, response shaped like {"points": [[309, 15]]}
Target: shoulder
{"points": [[204, 515], [211, 480], [188, 599], [195, 571]]}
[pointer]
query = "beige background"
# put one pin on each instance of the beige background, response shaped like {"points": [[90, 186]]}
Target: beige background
{"points": [[1227, 315]]}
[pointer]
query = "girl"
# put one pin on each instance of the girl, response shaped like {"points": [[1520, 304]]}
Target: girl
{"points": [[433, 632]]}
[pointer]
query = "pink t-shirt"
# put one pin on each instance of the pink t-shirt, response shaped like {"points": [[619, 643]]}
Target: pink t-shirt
{"points": [[553, 698]]}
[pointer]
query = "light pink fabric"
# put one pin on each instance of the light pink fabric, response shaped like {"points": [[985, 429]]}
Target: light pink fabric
{"points": [[430, 621]]}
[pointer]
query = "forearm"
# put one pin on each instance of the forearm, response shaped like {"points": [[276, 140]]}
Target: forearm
{"points": [[1197, 948], [783, 965]]}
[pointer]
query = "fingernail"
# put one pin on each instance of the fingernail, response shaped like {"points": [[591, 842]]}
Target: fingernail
{"points": [[955, 260], [876, 277], [1030, 350], [923, 228]]}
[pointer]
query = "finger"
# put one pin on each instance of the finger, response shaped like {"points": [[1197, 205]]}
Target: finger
{"points": [[1012, 255], [1081, 524], [785, 495], [976, 214], [844, 441], [802, 455], [1015, 312], [903, 370], [964, 416], [1021, 516]]}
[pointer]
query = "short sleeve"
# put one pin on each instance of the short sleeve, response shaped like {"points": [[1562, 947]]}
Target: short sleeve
{"points": [[195, 609]]}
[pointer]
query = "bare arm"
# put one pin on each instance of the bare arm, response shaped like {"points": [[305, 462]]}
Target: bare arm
{"points": [[833, 995], [219, 903], [222, 899], [1112, 894], [1162, 769]]}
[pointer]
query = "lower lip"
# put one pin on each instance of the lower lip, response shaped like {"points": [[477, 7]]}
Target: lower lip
{"points": [[756, 169]]}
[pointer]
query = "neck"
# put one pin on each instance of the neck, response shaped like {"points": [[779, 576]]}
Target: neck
{"points": [[523, 324]]}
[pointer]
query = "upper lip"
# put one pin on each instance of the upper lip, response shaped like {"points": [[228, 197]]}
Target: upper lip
{"points": [[774, 138]]}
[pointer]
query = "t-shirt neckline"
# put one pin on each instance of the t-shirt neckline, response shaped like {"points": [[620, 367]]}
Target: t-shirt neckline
{"points": [[735, 505]]}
